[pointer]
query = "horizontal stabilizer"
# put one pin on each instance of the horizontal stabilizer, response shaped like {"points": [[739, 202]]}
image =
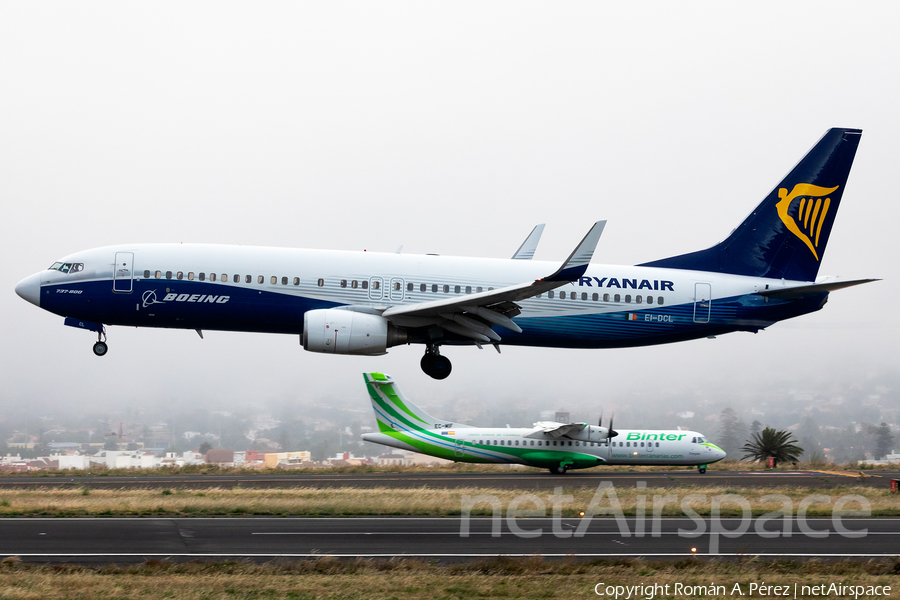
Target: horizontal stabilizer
{"points": [[792, 293]]}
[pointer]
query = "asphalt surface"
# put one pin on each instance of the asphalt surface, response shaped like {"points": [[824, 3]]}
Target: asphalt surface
{"points": [[524, 480], [93, 540]]}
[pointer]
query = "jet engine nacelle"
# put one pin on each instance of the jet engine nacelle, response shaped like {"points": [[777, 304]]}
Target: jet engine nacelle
{"points": [[336, 331]]}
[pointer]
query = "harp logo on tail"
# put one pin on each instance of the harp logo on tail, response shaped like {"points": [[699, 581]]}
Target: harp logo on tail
{"points": [[814, 204]]}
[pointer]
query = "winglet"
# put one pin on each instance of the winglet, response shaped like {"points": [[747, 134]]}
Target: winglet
{"points": [[578, 261], [526, 250]]}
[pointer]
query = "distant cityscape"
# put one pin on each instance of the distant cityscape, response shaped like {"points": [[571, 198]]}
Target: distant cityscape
{"points": [[841, 423]]}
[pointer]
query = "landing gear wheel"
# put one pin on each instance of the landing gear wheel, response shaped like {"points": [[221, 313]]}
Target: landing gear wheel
{"points": [[701, 469], [435, 365], [100, 348], [560, 470]]}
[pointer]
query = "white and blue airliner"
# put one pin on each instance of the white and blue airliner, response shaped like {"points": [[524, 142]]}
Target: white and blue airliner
{"points": [[343, 302]]}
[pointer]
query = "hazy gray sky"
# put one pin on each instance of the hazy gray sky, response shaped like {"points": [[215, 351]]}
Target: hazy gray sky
{"points": [[445, 127]]}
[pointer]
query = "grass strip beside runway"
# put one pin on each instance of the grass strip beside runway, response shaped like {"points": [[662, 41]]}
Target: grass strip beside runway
{"points": [[414, 579], [72, 501]]}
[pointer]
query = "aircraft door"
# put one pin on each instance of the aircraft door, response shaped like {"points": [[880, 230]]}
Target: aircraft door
{"points": [[396, 289], [702, 302], [375, 291], [122, 272], [459, 449]]}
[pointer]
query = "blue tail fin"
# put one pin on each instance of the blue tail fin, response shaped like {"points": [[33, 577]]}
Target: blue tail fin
{"points": [[785, 236]]}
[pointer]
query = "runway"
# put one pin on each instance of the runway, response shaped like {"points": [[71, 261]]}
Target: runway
{"points": [[99, 540], [524, 480]]}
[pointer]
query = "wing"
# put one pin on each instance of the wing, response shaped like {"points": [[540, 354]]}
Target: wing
{"points": [[473, 315], [555, 430], [526, 250]]}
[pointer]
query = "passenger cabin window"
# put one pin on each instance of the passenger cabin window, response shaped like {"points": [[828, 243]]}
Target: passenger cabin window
{"points": [[637, 299], [606, 297], [659, 300], [617, 298], [354, 284], [456, 289], [550, 294], [248, 278], [409, 287], [158, 274], [562, 295], [468, 289], [224, 278], [179, 275], [321, 282], [146, 274], [297, 281], [595, 297], [365, 284], [237, 278], [343, 283], [649, 299], [396, 286], [284, 281], [190, 275], [627, 298], [376, 285], [201, 276], [212, 276], [434, 288], [260, 279], [168, 274], [478, 290], [273, 280]]}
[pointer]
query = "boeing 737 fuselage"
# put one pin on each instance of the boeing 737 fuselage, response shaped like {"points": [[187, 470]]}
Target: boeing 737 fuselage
{"points": [[342, 302], [547, 445]]}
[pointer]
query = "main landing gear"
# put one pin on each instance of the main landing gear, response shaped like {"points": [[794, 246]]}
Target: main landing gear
{"points": [[559, 470], [100, 347], [435, 365]]}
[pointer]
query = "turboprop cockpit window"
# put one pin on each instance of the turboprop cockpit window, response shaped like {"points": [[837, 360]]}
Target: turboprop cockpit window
{"points": [[67, 267]]}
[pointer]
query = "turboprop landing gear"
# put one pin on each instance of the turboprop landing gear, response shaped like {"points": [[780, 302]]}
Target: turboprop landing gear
{"points": [[435, 365], [559, 470], [100, 347], [701, 468]]}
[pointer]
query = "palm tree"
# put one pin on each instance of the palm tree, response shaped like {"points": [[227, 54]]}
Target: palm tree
{"points": [[774, 443]]}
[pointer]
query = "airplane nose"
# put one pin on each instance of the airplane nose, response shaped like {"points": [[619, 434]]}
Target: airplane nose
{"points": [[30, 289]]}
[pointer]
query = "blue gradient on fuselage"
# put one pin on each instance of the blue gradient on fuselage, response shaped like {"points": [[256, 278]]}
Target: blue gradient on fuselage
{"points": [[253, 310]]}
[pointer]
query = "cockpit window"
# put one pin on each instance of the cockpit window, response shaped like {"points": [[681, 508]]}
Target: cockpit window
{"points": [[700, 440], [67, 267]]}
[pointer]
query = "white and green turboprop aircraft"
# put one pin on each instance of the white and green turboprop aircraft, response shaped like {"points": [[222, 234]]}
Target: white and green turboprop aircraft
{"points": [[547, 445]]}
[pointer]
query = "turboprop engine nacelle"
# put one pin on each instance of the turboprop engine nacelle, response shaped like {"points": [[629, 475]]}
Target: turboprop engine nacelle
{"points": [[590, 433], [336, 331]]}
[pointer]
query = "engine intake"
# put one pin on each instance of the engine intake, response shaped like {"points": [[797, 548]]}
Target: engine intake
{"points": [[336, 331]]}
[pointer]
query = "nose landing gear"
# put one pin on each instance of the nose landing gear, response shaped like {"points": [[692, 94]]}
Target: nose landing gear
{"points": [[100, 347], [435, 365]]}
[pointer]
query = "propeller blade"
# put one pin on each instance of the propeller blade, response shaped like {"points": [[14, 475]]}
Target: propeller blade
{"points": [[612, 432]]}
